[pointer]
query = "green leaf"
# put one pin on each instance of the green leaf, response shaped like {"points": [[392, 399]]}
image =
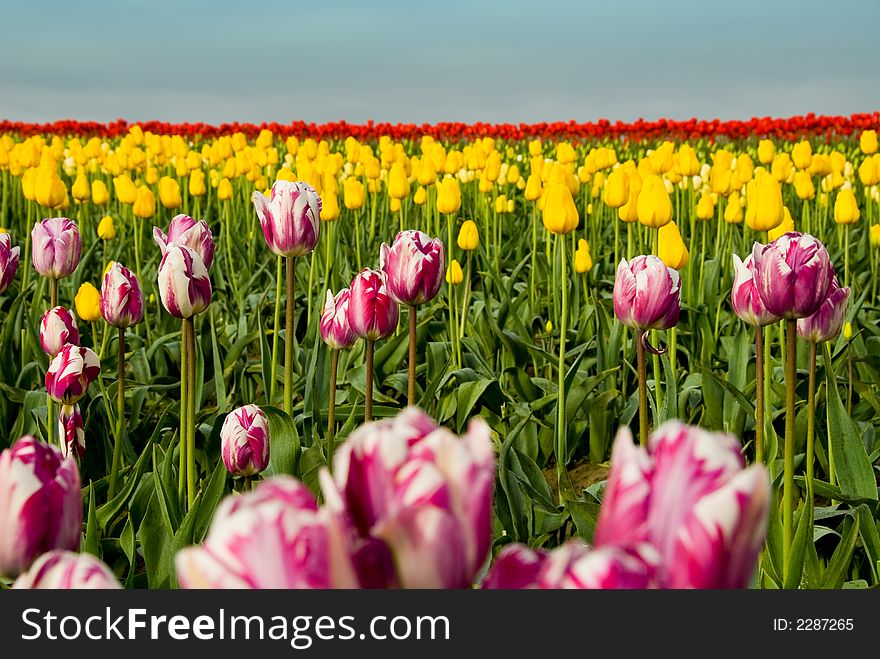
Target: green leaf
{"points": [[803, 535], [90, 544], [870, 540], [839, 564], [214, 491], [284, 443]]}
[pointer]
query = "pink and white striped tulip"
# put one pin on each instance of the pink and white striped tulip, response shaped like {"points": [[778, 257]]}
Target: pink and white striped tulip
{"points": [[71, 431], [691, 498], [70, 373], [40, 504], [272, 537], [122, 302], [290, 217], [415, 265], [187, 232], [334, 326], [57, 246], [825, 324], [647, 294], [184, 284], [67, 570], [744, 297], [372, 313], [57, 329], [9, 257], [418, 501], [244, 441], [515, 568], [792, 274]]}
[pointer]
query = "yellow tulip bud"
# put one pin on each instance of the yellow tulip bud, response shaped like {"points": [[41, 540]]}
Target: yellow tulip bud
{"points": [[224, 189], [660, 158], [868, 172], [197, 183], [106, 228], [512, 175], [169, 192], [766, 151], [420, 196], [583, 262], [352, 193], [560, 215], [126, 191], [50, 190], [868, 142], [548, 327], [151, 176], [565, 153], [874, 235], [671, 248], [785, 226], [535, 148], [454, 275], [145, 203], [534, 189], [802, 154], [88, 303], [329, 207], [29, 184], [733, 212], [847, 326], [820, 165], [687, 164], [468, 236], [781, 167], [803, 185], [705, 207], [394, 205], [654, 205], [846, 209], [744, 169], [81, 190], [720, 179], [100, 194], [448, 196], [398, 185], [764, 199], [501, 204], [616, 192]]}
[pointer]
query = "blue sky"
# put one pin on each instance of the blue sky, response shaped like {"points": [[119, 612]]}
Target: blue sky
{"points": [[449, 60]]}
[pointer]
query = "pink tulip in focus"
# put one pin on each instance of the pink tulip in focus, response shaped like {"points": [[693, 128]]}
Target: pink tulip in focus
{"points": [[122, 302], [66, 570], [334, 326], [417, 499], [57, 246], [372, 313], [57, 329], [272, 537], [187, 232], [9, 257], [70, 373], [290, 217], [792, 274], [647, 294], [244, 441], [71, 431], [744, 297], [415, 265], [41, 504], [825, 324], [184, 284]]}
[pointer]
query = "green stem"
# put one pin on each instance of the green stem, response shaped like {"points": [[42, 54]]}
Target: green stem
{"points": [[288, 337], [411, 388], [368, 400], [561, 435], [846, 255], [759, 395], [811, 419], [120, 417], [51, 419], [190, 414], [829, 374], [182, 435], [788, 468], [643, 386], [276, 327], [331, 406]]}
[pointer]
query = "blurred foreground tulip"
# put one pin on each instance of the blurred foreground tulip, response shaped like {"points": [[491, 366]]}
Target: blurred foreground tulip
{"points": [[66, 570]]}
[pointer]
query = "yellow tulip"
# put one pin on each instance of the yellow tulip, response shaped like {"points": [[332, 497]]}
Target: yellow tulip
{"points": [[560, 215], [616, 192], [687, 163], [420, 196], [661, 157], [583, 262], [764, 198], [705, 207], [733, 212], [847, 330], [744, 170], [224, 189], [846, 209], [197, 183], [534, 189], [50, 189], [785, 226], [781, 167], [145, 203], [100, 194], [803, 185], [126, 191], [535, 148], [874, 235], [868, 173], [394, 205], [501, 204], [81, 190], [766, 151], [820, 165], [512, 175], [372, 168], [672, 250], [654, 205], [169, 192], [720, 179], [398, 184], [868, 142], [448, 196], [454, 274], [29, 184], [329, 207], [468, 236], [353, 193], [427, 172], [88, 303], [106, 228], [802, 154]]}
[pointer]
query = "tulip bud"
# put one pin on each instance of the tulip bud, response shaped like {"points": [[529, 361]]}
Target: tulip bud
{"points": [[454, 275], [334, 326], [121, 301], [825, 324], [9, 257], [244, 441], [616, 188], [765, 202], [57, 247], [49, 189], [733, 212], [705, 207], [184, 284], [353, 193], [414, 267], [372, 313], [88, 303], [766, 151], [42, 504], [647, 293], [744, 297], [224, 189], [145, 203], [66, 570], [847, 331], [185, 231], [448, 196], [868, 142], [802, 154], [468, 236], [81, 190], [671, 248], [874, 235], [57, 329], [169, 192], [197, 183], [560, 215], [792, 274], [583, 262], [846, 208], [290, 217], [126, 191], [106, 228], [100, 194], [654, 205], [70, 373], [534, 188], [71, 432]]}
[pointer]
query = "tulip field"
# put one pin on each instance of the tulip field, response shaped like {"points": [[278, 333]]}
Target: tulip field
{"points": [[562, 355]]}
